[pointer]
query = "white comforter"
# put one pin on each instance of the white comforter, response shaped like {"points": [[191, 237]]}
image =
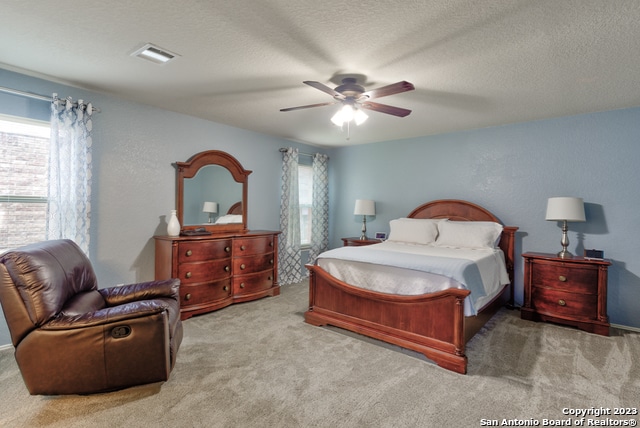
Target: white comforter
{"points": [[395, 277]]}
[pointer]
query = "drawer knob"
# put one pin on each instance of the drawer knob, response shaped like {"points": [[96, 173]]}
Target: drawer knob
{"points": [[187, 296], [271, 261], [188, 275], [227, 249], [562, 302], [242, 266], [271, 243], [242, 247], [225, 288], [562, 278], [270, 278], [189, 252], [242, 285], [226, 268]]}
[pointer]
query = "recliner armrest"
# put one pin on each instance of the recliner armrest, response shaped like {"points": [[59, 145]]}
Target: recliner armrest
{"points": [[107, 315], [115, 296]]}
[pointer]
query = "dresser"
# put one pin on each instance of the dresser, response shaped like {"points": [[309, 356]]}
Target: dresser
{"points": [[220, 269], [566, 291]]}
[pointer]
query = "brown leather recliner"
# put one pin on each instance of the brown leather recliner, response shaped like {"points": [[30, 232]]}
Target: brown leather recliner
{"points": [[71, 337]]}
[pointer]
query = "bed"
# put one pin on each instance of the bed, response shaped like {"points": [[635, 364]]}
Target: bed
{"points": [[233, 215], [432, 323]]}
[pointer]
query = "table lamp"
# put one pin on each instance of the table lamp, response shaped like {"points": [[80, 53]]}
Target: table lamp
{"points": [[364, 207], [565, 209], [211, 208]]}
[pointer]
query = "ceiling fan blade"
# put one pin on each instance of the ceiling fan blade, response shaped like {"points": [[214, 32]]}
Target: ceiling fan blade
{"points": [[309, 106], [383, 108], [324, 88], [394, 88]]}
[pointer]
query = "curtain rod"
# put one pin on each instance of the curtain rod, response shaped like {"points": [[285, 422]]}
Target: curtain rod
{"points": [[35, 96], [284, 149]]}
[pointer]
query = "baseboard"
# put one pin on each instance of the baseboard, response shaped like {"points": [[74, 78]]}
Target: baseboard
{"points": [[618, 326], [626, 327]]}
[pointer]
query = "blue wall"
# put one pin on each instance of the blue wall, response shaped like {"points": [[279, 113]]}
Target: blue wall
{"points": [[510, 170], [134, 148]]}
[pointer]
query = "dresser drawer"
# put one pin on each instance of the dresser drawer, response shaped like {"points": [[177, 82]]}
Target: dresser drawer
{"points": [[191, 295], [252, 246], [244, 265], [190, 273], [562, 303], [253, 282], [566, 277], [195, 251]]}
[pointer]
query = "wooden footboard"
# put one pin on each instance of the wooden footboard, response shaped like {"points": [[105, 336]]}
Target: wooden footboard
{"points": [[432, 324]]}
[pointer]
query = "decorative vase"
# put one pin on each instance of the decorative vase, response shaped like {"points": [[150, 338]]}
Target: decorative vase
{"points": [[173, 228]]}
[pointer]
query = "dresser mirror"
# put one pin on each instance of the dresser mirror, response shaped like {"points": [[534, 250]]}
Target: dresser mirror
{"points": [[211, 193]]}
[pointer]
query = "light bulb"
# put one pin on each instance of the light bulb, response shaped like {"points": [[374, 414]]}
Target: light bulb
{"points": [[337, 118], [360, 117], [347, 113]]}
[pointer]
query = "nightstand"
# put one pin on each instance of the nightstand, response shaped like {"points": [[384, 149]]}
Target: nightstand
{"points": [[357, 242], [566, 291]]}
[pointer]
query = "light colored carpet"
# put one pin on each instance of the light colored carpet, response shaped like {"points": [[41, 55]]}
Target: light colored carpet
{"points": [[258, 364]]}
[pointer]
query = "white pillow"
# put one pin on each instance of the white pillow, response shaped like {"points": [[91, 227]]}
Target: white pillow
{"points": [[425, 220], [229, 218], [415, 231], [468, 234]]}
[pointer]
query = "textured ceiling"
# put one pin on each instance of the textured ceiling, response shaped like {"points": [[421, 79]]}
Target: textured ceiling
{"points": [[474, 63]]}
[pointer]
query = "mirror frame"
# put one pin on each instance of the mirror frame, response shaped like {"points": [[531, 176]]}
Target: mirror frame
{"points": [[191, 167]]}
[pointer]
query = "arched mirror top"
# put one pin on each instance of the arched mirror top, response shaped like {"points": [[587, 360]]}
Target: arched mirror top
{"points": [[211, 192]]}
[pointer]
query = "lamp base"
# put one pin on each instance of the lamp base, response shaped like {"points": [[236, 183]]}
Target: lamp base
{"points": [[564, 254], [363, 236]]}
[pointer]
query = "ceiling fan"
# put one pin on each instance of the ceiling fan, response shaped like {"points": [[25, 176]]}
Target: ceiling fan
{"points": [[354, 97]]}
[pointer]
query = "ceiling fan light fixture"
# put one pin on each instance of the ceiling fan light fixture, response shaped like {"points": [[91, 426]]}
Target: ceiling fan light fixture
{"points": [[347, 113]]}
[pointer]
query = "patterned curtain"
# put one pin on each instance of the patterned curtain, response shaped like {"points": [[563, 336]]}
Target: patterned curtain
{"points": [[320, 208], [289, 257], [69, 209]]}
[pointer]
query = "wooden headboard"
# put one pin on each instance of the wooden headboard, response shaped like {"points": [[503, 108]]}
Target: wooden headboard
{"points": [[458, 210], [235, 208]]}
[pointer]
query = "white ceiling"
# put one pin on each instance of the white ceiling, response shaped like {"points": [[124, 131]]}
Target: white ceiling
{"points": [[474, 63]]}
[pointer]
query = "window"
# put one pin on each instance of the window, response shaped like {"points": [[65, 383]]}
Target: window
{"points": [[305, 193], [24, 158]]}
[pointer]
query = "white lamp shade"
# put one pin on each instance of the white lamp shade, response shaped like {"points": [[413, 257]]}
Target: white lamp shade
{"points": [[365, 207], [360, 117], [565, 208], [210, 207]]}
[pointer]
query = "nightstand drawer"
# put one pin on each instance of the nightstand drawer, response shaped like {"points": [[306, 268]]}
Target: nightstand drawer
{"points": [[576, 279], [564, 304]]}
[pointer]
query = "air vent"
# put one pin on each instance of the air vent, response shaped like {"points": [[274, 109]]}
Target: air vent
{"points": [[155, 54]]}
